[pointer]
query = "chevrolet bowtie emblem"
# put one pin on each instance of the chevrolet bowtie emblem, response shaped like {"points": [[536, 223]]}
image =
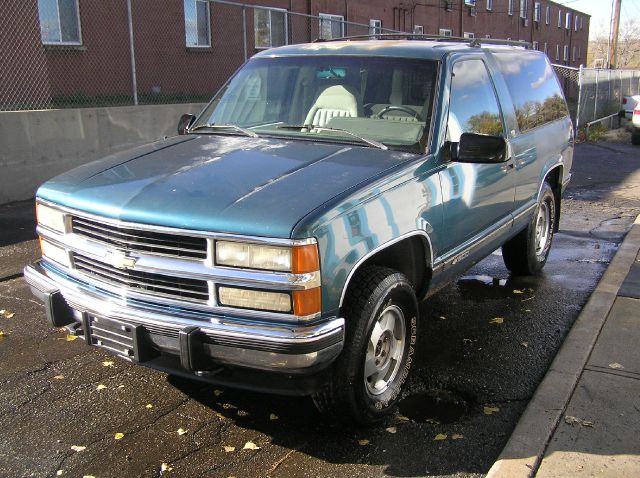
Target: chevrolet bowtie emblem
{"points": [[120, 260]]}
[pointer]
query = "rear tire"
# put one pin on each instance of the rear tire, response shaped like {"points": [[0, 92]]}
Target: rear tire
{"points": [[635, 137], [526, 253], [381, 312]]}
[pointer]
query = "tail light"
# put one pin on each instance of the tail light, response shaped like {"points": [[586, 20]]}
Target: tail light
{"points": [[624, 101]]}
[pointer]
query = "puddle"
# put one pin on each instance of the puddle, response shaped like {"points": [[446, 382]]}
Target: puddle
{"points": [[441, 406]]}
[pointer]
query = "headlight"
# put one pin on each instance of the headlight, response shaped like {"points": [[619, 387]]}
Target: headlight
{"points": [[50, 218], [297, 259], [55, 253], [254, 299]]}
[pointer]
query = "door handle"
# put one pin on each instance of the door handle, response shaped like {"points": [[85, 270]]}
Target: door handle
{"points": [[507, 166]]}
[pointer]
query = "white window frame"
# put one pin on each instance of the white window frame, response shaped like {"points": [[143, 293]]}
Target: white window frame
{"points": [[510, 8], [286, 27], [567, 21], [445, 32], [547, 15], [579, 52], [418, 29], [573, 53], [195, 2], [332, 18], [49, 42], [558, 52], [565, 53], [576, 22], [535, 45], [546, 48], [537, 12], [375, 26], [470, 3], [489, 4], [487, 36], [523, 8], [469, 35], [559, 18], [580, 23]]}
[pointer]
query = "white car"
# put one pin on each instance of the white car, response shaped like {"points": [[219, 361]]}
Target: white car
{"points": [[629, 103], [635, 132]]}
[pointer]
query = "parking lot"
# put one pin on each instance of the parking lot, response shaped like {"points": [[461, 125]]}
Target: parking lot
{"points": [[486, 343]]}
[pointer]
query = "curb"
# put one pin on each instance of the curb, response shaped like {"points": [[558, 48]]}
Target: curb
{"points": [[523, 453]]}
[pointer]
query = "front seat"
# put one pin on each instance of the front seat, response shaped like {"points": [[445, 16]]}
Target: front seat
{"points": [[334, 101]]}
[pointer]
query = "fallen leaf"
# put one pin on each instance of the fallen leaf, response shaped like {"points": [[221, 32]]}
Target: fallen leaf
{"points": [[101, 387], [363, 442], [2, 334], [524, 344], [527, 310], [58, 377], [88, 476], [120, 386], [78, 448], [181, 431], [250, 446], [518, 291], [243, 413], [616, 365], [497, 320], [442, 317], [229, 449], [457, 436], [528, 298], [440, 437], [391, 429], [490, 410], [107, 363], [273, 416], [149, 406], [228, 406], [71, 338], [402, 418], [9, 315], [59, 473], [571, 420], [119, 436], [217, 393], [165, 467], [432, 421], [2, 312]]}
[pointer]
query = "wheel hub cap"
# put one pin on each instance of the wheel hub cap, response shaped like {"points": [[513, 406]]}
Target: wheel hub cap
{"points": [[543, 222]]}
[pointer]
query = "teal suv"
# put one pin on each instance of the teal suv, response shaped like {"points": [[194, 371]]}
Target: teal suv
{"points": [[283, 240]]}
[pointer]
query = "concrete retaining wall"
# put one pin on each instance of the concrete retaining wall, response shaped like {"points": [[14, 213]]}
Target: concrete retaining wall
{"points": [[37, 145]]}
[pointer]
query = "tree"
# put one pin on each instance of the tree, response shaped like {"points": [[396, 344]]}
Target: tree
{"points": [[628, 55]]}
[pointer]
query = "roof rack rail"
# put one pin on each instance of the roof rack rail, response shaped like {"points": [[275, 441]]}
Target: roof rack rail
{"points": [[473, 42]]}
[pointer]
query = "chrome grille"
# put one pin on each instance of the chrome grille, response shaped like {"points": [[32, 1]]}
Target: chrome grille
{"points": [[144, 282], [129, 239]]}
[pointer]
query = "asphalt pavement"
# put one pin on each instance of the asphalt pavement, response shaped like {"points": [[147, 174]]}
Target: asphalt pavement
{"points": [[486, 343]]}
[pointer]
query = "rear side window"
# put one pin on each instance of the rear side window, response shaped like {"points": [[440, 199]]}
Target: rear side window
{"points": [[534, 88]]}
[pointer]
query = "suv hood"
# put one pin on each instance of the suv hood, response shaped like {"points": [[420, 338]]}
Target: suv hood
{"points": [[252, 186]]}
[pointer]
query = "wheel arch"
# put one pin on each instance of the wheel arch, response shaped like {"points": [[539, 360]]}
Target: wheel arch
{"points": [[553, 177], [411, 254]]}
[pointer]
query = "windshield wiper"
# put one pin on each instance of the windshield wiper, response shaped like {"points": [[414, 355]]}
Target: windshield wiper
{"points": [[234, 127], [339, 130]]}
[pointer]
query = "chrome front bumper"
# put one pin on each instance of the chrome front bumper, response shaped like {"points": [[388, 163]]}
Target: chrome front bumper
{"points": [[203, 344]]}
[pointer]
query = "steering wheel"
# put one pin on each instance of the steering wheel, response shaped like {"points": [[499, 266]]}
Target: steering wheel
{"points": [[404, 109]]}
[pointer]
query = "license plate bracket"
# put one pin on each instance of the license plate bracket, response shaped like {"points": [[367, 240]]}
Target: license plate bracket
{"points": [[121, 338]]}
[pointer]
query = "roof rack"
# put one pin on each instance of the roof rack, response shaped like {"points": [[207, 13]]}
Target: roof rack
{"points": [[473, 42]]}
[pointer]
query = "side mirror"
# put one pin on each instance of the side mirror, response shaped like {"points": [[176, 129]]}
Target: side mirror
{"points": [[479, 148], [185, 123]]}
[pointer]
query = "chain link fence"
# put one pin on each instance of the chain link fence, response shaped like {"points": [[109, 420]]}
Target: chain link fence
{"points": [[70, 53]]}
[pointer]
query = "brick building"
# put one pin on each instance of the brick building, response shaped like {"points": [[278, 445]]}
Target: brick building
{"points": [[78, 52]]}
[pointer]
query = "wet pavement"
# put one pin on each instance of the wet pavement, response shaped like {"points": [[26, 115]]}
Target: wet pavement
{"points": [[485, 344]]}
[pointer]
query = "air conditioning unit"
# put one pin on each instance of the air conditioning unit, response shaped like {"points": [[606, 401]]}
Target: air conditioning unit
{"points": [[472, 11], [448, 5], [525, 22]]}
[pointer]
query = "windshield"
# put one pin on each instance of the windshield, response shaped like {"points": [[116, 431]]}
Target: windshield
{"points": [[374, 101]]}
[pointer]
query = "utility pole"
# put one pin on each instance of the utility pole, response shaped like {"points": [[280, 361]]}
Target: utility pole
{"points": [[615, 30]]}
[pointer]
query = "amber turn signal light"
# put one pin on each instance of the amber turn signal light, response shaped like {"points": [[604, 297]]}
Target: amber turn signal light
{"points": [[307, 302], [305, 259]]}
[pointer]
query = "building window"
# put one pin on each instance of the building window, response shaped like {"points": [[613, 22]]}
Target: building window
{"points": [[331, 26], [547, 15], [270, 27], [546, 48], [489, 4], [567, 23], [196, 23], [523, 8], [487, 36], [573, 54], [445, 32], [375, 27], [576, 22], [557, 52], [59, 22], [559, 18], [580, 23], [580, 52], [510, 7], [418, 29], [536, 12], [535, 45], [471, 3], [469, 35], [565, 53]]}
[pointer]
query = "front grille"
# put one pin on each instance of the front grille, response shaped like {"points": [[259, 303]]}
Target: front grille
{"points": [[129, 239], [144, 282]]}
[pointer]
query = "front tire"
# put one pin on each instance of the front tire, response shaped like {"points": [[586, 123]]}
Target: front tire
{"points": [[526, 253], [365, 382]]}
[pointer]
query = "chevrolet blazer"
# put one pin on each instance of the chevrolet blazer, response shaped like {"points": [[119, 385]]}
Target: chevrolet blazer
{"points": [[283, 240]]}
